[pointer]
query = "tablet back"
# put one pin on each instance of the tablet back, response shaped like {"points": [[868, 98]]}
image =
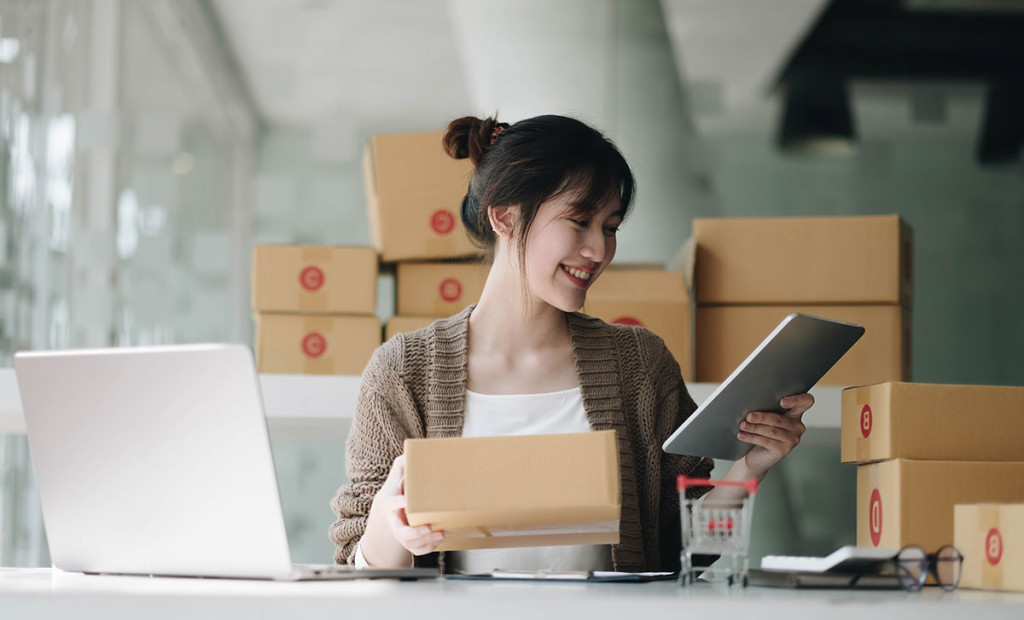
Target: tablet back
{"points": [[789, 361]]}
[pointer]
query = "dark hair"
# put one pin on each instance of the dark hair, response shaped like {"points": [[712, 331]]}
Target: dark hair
{"points": [[533, 161]]}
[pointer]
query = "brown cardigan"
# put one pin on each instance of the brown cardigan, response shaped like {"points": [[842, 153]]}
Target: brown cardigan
{"points": [[415, 386]]}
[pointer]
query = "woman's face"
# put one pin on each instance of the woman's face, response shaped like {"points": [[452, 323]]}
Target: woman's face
{"points": [[566, 251]]}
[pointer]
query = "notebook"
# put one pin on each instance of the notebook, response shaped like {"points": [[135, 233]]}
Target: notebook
{"points": [[157, 461]]}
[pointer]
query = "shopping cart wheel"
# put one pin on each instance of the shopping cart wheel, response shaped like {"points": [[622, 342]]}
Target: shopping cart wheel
{"points": [[730, 580], [746, 581]]}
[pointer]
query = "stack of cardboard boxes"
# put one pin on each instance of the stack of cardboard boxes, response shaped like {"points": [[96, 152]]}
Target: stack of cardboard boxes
{"points": [[414, 193], [314, 308], [653, 298], [922, 449], [752, 273], [427, 291]]}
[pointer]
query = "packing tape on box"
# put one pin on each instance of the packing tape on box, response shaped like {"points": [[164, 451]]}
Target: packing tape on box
{"points": [[991, 571], [867, 419], [308, 298], [547, 530]]}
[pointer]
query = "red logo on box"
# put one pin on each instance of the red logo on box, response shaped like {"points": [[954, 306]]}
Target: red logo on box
{"points": [[451, 289], [627, 320], [314, 345], [311, 278], [442, 221], [865, 421], [875, 517], [994, 546]]}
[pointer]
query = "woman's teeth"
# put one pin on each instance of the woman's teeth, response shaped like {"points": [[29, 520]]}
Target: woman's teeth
{"points": [[582, 275]]}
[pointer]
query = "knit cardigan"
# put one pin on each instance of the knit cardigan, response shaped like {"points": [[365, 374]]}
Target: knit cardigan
{"points": [[415, 386]]}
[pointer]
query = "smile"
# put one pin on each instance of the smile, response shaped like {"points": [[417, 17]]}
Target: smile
{"points": [[577, 273]]}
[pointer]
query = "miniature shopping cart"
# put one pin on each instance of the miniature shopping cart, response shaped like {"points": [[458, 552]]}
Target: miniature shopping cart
{"points": [[716, 529]]}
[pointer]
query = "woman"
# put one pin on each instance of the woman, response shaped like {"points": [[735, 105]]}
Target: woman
{"points": [[547, 197]]}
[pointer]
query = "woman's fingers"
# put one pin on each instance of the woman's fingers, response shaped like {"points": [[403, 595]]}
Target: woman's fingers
{"points": [[786, 424], [797, 404], [419, 539]]}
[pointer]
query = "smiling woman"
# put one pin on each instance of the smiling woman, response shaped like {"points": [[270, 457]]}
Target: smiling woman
{"points": [[546, 199]]}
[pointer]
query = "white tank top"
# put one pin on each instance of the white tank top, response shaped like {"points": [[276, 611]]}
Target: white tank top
{"points": [[528, 414]]}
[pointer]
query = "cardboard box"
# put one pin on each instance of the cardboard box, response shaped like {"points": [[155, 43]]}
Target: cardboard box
{"points": [[655, 299], [414, 193], [518, 491], [402, 324], [314, 279], [439, 289], [903, 502], [812, 260], [932, 422], [726, 335], [991, 539], [315, 344]]}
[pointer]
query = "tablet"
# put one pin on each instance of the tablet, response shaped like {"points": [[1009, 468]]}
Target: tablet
{"points": [[790, 361]]}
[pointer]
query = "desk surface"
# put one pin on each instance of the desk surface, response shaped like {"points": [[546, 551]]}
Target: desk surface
{"points": [[43, 593]]}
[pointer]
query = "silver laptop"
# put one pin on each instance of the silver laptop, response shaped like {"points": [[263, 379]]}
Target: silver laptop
{"points": [[157, 461]]}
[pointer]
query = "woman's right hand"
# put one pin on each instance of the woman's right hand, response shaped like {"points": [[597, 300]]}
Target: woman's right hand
{"points": [[388, 511]]}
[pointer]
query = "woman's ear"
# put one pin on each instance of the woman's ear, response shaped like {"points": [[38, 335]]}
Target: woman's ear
{"points": [[502, 220]]}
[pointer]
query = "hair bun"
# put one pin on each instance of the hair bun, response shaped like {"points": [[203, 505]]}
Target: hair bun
{"points": [[469, 136]]}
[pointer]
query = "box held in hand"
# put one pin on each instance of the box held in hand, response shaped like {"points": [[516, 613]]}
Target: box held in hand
{"points": [[518, 491]]}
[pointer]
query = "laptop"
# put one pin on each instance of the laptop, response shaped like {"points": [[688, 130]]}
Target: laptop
{"points": [[157, 461]]}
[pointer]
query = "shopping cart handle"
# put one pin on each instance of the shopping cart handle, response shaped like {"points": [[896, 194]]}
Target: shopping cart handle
{"points": [[683, 483]]}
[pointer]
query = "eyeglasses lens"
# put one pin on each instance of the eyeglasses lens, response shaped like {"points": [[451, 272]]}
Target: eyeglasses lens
{"points": [[912, 565], [947, 567]]}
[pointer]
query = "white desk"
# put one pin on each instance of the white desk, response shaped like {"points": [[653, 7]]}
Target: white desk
{"points": [[326, 402], [41, 593]]}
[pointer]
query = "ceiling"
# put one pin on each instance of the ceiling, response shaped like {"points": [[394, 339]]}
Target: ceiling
{"points": [[419, 60], [306, 61], [404, 65]]}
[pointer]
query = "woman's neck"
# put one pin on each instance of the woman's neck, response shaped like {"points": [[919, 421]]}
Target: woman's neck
{"points": [[505, 321]]}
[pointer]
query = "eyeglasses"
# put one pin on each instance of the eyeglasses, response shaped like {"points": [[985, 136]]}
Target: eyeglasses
{"points": [[912, 567]]}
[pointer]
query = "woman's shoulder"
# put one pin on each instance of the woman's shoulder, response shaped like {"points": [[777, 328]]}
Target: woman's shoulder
{"points": [[647, 343], [407, 348]]}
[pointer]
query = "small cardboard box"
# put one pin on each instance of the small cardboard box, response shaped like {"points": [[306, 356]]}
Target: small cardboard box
{"points": [[518, 491], [439, 289], [903, 502], [932, 422], [314, 279], [991, 539], [402, 324], [726, 335], [812, 260], [655, 299], [315, 344], [414, 193]]}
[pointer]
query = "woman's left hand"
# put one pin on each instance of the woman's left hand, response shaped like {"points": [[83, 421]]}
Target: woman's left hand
{"points": [[774, 435]]}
